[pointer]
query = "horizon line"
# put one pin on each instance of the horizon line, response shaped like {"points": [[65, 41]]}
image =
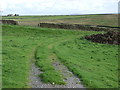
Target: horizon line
{"points": [[58, 14]]}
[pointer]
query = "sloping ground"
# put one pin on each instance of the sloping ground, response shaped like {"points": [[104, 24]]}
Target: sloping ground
{"points": [[110, 37], [96, 65]]}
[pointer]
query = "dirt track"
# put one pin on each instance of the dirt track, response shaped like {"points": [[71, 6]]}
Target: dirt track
{"points": [[71, 80]]}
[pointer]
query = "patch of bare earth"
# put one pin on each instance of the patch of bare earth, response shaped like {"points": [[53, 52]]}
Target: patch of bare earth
{"points": [[111, 37]]}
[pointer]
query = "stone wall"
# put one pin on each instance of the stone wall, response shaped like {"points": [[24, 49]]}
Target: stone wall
{"points": [[12, 22], [78, 26]]}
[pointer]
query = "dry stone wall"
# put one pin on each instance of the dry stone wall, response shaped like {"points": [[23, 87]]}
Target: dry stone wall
{"points": [[78, 26], [12, 22]]}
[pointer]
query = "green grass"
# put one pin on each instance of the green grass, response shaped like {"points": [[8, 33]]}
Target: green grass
{"points": [[95, 64], [45, 65]]}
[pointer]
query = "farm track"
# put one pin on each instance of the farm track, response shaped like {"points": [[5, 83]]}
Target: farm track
{"points": [[34, 79], [69, 78]]}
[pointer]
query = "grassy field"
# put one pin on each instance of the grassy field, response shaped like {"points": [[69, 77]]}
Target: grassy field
{"points": [[108, 20], [95, 64]]}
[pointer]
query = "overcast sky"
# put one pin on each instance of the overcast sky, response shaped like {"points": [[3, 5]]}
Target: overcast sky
{"points": [[58, 7]]}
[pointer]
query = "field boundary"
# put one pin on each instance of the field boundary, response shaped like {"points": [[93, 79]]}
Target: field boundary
{"points": [[12, 22], [78, 26]]}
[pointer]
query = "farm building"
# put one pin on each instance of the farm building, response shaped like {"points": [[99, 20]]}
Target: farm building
{"points": [[13, 15]]}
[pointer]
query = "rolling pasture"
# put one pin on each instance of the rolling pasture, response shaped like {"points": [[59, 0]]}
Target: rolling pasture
{"points": [[108, 20], [95, 64]]}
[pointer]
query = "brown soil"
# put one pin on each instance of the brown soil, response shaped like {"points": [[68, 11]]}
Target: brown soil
{"points": [[110, 37]]}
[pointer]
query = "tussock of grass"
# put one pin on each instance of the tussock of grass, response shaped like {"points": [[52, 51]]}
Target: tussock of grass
{"points": [[49, 75], [52, 76]]}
